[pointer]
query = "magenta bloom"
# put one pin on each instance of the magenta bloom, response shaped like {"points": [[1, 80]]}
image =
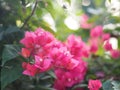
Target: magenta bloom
{"points": [[84, 22], [77, 47], [94, 45], [30, 69], [108, 46], [36, 41], [29, 40], [64, 58], [43, 37], [67, 78], [96, 32], [25, 52], [115, 54], [94, 84], [43, 64], [105, 36]]}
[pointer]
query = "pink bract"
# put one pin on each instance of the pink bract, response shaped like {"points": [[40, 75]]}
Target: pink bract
{"points": [[84, 22], [43, 64], [29, 69], [115, 54], [77, 47], [96, 31], [25, 52], [70, 77], [108, 46], [105, 36], [94, 84]]}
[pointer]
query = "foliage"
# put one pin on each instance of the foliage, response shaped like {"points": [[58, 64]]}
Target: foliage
{"points": [[19, 16]]}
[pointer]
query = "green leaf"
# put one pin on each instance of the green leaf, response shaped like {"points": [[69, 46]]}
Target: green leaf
{"points": [[10, 52], [109, 0], [51, 73], [44, 88], [100, 51], [116, 85], [79, 86], [69, 1], [12, 34], [119, 42], [10, 72], [107, 85]]}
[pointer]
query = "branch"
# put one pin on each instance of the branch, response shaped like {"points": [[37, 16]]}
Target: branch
{"points": [[28, 18]]}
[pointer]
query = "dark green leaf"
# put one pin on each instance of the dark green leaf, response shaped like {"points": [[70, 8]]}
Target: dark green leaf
{"points": [[119, 42], [45, 88], [10, 52], [12, 34], [10, 72], [79, 86], [51, 73]]}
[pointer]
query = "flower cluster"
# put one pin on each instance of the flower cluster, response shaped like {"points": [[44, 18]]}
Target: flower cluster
{"points": [[44, 52], [115, 53], [98, 37]]}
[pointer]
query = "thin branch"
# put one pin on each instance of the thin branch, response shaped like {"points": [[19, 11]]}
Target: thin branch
{"points": [[28, 18]]}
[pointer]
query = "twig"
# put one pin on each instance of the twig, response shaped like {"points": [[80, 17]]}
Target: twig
{"points": [[28, 18]]}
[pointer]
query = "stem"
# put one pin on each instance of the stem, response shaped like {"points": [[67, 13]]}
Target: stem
{"points": [[28, 18]]}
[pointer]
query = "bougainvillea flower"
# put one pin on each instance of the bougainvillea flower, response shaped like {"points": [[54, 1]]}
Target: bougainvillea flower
{"points": [[70, 77], [94, 84], [28, 42], [25, 52], [43, 37], [107, 46], [84, 22], [76, 46], [96, 31], [94, 48], [115, 54], [94, 43], [30, 69], [43, 64], [105, 36], [64, 77], [63, 58]]}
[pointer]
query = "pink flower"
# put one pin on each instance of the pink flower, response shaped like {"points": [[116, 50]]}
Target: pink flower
{"points": [[25, 52], [94, 84], [77, 47], [94, 43], [64, 77], [28, 42], [108, 46], [63, 59], [105, 36], [70, 77], [94, 48], [115, 54], [30, 69], [59, 85], [43, 64], [96, 32], [84, 22], [43, 37]]}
